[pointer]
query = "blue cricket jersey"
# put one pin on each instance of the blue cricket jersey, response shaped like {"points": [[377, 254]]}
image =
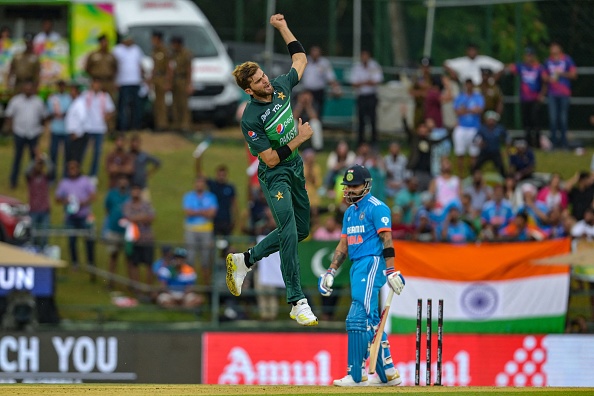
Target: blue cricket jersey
{"points": [[362, 223]]}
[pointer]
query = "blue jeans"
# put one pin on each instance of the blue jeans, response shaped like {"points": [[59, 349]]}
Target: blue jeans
{"points": [[129, 108], [58, 140], [558, 109], [97, 139], [19, 146], [40, 221]]}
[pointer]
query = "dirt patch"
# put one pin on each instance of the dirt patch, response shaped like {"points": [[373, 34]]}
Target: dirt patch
{"points": [[164, 142]]}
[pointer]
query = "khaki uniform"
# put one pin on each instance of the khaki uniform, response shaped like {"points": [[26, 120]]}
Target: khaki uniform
{"points": [[161, 61], [181, 62], [103, 66], [26, 67]]}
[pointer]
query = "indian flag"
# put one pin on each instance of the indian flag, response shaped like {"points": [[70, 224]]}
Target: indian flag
{"points": [[486, 288]]}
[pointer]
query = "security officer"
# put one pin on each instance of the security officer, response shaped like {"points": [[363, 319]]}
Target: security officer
{"points": [[102, 66], [25, 67], [161, 80], [181, 86]]}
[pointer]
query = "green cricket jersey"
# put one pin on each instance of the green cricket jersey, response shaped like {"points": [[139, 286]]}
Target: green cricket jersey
{"points": [[271, 125]]}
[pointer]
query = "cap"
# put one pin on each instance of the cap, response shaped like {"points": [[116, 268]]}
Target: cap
{"points": [[356, 175], [528, 188], [491, 115], [180, 252]]}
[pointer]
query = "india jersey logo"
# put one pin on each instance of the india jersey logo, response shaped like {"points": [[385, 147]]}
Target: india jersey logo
{"points": [[252, 134], [280, 129]]}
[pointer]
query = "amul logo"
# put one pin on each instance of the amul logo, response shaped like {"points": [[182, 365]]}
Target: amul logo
{"points": [[242, 370]]}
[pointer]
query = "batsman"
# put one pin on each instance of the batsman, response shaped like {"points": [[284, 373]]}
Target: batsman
{"points": [[273, 135], [367, 240]]}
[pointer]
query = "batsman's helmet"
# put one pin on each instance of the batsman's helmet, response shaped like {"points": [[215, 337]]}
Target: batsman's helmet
{"points": [[356, 175]]}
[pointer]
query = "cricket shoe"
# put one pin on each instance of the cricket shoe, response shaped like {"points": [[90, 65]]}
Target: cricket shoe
{"points": [[393, 380], [236, 272], [348, 381], [302, 313]]}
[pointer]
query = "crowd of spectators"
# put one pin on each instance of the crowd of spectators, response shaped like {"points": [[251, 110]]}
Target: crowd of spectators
{"points": [[431, 199]]}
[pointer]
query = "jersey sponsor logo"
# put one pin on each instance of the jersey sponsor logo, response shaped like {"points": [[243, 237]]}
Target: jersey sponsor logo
{"points": [[276, 107], [265, 115], [357, 238], [385, 220], [280, 129], [356, 229], [253, 135]]}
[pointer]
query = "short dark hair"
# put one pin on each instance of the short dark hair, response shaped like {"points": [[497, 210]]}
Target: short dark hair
{"points": [[177, 40], [158, 34], [522, 214]]}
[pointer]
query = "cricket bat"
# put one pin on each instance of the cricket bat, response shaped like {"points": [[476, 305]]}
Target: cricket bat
{"points": [[377, 338]]}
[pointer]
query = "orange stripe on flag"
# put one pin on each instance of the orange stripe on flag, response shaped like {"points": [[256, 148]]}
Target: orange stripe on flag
{"points": [[478, 262]]}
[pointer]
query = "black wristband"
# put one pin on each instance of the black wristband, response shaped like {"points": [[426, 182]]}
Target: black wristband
{"points": [[389, 252], [295, 47], [283, 152]]}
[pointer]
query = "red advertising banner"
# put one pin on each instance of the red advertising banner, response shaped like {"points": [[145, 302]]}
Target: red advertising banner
{"points": [[317, 359], [273, 358]]}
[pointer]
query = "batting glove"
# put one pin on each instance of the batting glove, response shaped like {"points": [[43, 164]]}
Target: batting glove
{"points": [[395, 280], [326, 281]]}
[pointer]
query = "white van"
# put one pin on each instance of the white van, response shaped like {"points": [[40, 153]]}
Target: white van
{"points": [[215, 95]]}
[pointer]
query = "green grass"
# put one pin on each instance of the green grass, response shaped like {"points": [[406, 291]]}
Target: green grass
{"points": [[167, 188]]}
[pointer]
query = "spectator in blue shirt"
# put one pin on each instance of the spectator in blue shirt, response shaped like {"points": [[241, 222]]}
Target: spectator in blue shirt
{"points": [[177, 280], [536, 211], [114, 232], [200, 207], [469, 106], [454, 230], [57, 105], [489, 138], [521, 160], [496, 214]]}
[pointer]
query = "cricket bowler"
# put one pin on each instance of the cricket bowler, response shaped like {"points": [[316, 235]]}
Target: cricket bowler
{"points": [[273, 135]]}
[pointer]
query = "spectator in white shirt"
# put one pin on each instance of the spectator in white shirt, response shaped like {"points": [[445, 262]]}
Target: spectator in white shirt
{"points": [[74, 123], [99, 109], [365, 77], [584, 229], [396, 169], [47, 34], [25, 114], [318, 75], [129, 79], [469, 66]]}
